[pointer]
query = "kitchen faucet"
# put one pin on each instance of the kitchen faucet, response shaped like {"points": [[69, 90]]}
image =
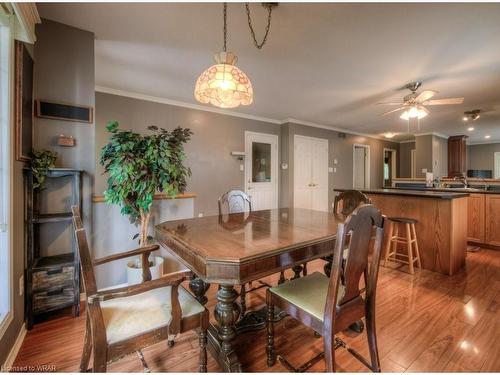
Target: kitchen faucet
{"points": [[463, 180]]}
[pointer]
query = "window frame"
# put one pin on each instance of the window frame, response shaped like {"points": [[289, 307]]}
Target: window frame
{"points": [[6, 153]]}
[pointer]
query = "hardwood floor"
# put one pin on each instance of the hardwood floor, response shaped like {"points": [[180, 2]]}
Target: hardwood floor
{"points": [[426, 322]]}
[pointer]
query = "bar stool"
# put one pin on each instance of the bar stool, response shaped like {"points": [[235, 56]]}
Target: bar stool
{"points": [[410, 240]]}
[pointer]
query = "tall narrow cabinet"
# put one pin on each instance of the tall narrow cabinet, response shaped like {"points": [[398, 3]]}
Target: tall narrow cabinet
{"points": [[52, 281], [457, 156]]}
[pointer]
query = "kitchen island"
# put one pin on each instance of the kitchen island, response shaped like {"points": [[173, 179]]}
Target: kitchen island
{"points": [[442, 223]]}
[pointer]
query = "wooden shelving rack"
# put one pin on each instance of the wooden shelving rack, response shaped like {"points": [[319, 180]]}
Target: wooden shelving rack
{"points": [[52, 281]]}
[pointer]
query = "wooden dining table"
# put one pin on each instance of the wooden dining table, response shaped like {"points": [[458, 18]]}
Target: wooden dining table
{"points": [[231, 250]]}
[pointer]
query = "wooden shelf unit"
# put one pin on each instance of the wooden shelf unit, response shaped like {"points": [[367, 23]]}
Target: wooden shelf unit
{"points": [[52, 281]]}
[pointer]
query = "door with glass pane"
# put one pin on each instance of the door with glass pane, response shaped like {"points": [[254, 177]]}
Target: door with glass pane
{"points": [[261, 170]]}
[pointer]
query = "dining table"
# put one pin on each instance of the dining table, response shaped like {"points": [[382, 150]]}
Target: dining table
{"points": [[234, 249]]}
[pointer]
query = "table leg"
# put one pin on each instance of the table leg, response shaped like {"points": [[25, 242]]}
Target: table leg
{"points": [[226, 313], [199, 288]]}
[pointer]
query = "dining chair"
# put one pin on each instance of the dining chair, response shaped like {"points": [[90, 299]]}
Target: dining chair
{"points": [[347, 201], [125, 320], [343, 205], [327, 305]]}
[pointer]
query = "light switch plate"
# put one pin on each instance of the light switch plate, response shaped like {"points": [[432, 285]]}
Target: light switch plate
{"points": [[21, 285]]}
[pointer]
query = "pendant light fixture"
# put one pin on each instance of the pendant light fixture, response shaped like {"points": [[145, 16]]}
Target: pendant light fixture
{"points": [[224, 85]]}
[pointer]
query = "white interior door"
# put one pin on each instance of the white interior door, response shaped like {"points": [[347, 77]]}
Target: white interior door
{"points": [[320, 175], [310, 173], [360, 167], [413, 163], [261, 170], [496, 173], [302, 173]]}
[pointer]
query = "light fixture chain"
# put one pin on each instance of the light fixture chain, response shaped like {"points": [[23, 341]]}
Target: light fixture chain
{"points": [[261, 44], [225, 26]]}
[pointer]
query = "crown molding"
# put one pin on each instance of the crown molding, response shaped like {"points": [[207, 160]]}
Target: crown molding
{"points": [[161, 100], [441, 135], [157, 99], [334, 128], [27, 17], [482, 143], [408, 141]]}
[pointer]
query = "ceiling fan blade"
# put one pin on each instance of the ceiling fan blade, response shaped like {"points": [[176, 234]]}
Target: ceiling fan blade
{"points": [[391, 103], [425, 95], [444, 101], [394, 110]]}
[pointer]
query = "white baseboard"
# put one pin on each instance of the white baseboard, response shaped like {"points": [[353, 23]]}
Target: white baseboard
{"points": [[15, 349]]}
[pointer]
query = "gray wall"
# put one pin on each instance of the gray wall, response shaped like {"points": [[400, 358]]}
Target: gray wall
{"points": [[439, 156], [481, 156], [338, 148], [215, 171], [405, 159], [64, 72], [423, 147]]}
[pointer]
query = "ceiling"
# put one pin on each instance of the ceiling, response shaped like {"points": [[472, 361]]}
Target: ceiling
{"points": [[325, 63]]}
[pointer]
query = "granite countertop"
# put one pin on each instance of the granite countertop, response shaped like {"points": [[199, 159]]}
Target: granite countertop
{"points": [[471, 190], [414, 193]]}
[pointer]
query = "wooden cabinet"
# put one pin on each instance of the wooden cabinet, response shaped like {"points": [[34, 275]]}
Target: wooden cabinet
{"points": [[475, 218], [457, 156], [492, 218]]}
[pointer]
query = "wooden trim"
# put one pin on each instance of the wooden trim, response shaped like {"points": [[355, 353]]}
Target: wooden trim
{"points": [[100, 198], [18, 98], [11, 357], [90, 108]]}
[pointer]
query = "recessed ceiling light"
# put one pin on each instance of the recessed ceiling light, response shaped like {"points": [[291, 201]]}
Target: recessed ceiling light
{"points": [[470, 129], [465, 118], [487, 136], [389, 135]]}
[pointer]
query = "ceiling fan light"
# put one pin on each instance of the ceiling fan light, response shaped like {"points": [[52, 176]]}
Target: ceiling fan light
{"points": [[414, 112], [224, 85]]}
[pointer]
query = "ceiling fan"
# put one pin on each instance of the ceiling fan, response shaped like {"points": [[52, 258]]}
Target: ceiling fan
{"points": [[414, 104]]}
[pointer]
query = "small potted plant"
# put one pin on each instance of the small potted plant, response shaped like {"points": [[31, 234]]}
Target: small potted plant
{"points": [[41, 162], [138, 167]]}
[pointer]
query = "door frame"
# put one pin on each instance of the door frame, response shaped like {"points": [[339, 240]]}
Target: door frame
{"points": [[413, 163], [393, 162], [322, 140], [367, 164], [274, 167]]}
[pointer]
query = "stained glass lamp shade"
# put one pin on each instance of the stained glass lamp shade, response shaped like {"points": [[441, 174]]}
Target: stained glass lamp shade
{"points": [[224, 85]]}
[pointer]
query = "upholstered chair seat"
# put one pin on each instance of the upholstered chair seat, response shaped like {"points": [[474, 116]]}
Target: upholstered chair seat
{"points": [[308, 293], [130, 316]]}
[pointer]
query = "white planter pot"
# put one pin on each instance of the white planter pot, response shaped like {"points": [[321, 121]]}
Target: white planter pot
{"points": [[134, 270]]}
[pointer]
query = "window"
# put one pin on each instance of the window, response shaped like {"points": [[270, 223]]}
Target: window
{"points": [[6, 50]]}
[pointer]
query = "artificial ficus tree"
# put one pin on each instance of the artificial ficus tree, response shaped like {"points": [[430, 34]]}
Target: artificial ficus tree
{"points": [[139, 166]]}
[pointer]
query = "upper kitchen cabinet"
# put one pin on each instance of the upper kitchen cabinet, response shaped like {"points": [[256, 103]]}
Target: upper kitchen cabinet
{"points": [[457, 156]]}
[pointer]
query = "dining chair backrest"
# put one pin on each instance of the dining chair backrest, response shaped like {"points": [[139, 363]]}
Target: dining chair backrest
{"points": [[358, 226], [350, 199], [237, 201], [86, 264]]}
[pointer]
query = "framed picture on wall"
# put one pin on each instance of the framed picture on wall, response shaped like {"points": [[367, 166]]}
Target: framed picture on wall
{"points": [[23, 102]]}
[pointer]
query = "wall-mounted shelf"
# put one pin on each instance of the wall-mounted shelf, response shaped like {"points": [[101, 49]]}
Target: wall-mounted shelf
{"points": [[240, 155]]}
